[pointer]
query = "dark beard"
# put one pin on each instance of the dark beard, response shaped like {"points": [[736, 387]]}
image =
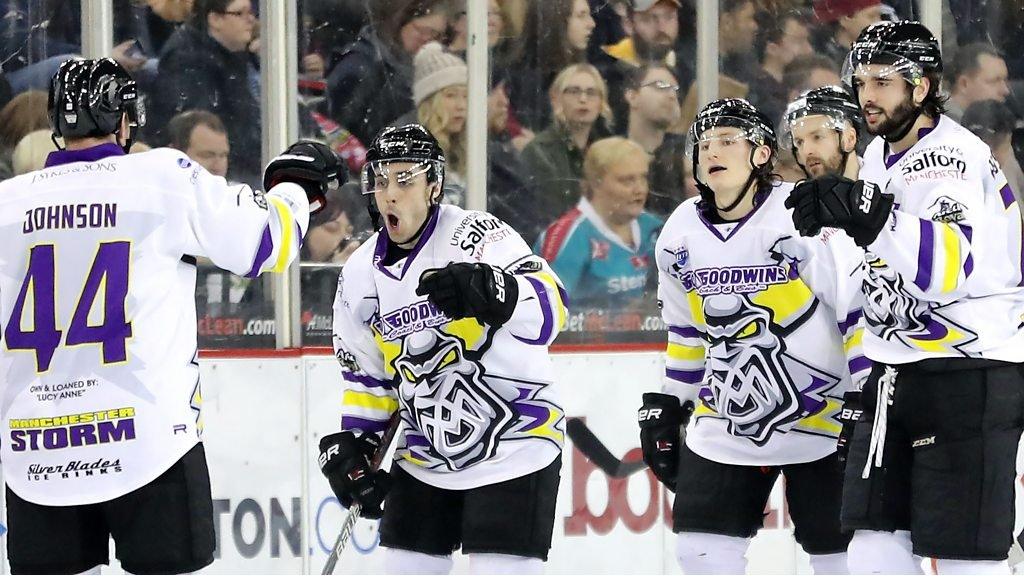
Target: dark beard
{"points": [[648, 52], [896, 120]]}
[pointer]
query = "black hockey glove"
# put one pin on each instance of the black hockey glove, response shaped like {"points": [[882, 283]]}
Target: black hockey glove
{"points": [[310, 164], [464, 290], [345, 461], [858, 207], [848, 417], [661, 418]]}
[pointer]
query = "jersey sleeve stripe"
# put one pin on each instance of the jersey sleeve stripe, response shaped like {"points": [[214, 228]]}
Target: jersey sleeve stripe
{"points": [[925, 257], [1006, 193], [685, 331], [263, 252], [366, 380], [851, 320], [364, 424], [559, 292], [371, 401], [685, 376], [547, 324], [951, 254], [287, 233], [859, 363], [685, 353]]}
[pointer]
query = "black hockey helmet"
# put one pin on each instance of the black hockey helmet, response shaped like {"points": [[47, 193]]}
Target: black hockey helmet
{"points": [[906, 47], [835, 104], [754, 127], [409, 143], [89, 97]]}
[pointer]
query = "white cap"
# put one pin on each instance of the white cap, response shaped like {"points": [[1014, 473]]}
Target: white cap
{"points": [[435, 70]]}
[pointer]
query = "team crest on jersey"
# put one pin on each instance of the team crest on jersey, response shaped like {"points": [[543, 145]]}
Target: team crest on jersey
{"points": [[947, 210], [753, 382], [893, 313], [442, 389]]}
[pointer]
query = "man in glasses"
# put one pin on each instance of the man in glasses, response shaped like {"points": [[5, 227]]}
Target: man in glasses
{"points": [[652, 94]]}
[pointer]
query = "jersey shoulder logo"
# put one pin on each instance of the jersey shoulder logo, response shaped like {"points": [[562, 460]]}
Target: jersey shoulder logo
{"points": [[947, 210]]}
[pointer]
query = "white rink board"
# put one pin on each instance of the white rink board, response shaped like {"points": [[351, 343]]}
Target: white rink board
{"points": [[264, 417]]}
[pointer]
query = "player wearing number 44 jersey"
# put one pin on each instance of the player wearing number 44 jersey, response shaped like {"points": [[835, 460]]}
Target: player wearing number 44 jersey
{"points": [[99, 377], [445, 315], [763, 346], [932, 458]]}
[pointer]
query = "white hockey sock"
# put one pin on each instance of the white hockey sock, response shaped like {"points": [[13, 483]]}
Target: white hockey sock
{"points": [[946, 566], [702, 553], [397, 561], [504, 564], [878, 552], [829, 563]]}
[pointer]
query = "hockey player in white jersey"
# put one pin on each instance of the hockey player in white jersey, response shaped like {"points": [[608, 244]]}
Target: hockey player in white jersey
{"points": [[98, 369], [445, 315], [932, 459], [763, 344]]}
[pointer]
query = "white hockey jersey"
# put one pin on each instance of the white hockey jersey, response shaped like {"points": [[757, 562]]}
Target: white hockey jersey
{"points": [[944, 275], [764, 332], [477, 402], [100, 379]]}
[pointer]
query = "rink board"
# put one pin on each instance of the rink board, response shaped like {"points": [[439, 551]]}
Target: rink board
{"points": [[274, 512]]}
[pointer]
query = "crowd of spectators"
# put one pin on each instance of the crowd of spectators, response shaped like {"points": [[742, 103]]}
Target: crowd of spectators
{"points": [[588, 105]]}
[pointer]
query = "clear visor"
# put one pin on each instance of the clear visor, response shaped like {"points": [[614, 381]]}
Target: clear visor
{"points": [[802, 124], [376, 175], [865, 63], [720, 134]]}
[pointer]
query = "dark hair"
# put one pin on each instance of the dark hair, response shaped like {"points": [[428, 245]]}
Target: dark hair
{"points": [[203, 8], [635, 76], [796, 73], [544, 44], [966, 61], [733, 5], [389, 16], [179, 128], [988, 118], [772, 27], [934, 104]]}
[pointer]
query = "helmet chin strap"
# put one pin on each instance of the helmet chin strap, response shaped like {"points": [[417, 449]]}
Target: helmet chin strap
{"points": [[746, 186], [904, 128]]}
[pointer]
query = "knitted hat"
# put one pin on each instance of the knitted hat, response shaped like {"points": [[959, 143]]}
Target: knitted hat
{"points": [[436, 70], [832, 10]]}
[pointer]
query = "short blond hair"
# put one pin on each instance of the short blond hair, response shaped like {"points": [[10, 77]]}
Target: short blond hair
{"points": [[561, 81], [31, 152], [607, 152]]}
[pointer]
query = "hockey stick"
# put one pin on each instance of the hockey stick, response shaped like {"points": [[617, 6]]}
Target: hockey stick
{"points": [[390, 434], [597, 453]]}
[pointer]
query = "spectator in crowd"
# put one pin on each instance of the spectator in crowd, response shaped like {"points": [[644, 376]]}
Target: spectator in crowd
{"points": [[977, 72], [737, 29], [142, 29], [843, 21], [24, 114], [459, 40], [653, 37], [554, 159], [369, 82], [328, 24], [202, 137], [780, 39], [36, 36], [511, 194], [5, 90], [543, 52], [31, 152], [603, 249], [440, 94], [993, 122], [205, 66], [807, 72], [653, 97]]}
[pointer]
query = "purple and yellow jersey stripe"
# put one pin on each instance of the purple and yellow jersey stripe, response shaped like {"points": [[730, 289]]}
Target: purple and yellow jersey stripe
{"points": [[367, 402], [281, 240], [1016, 235], [852, 331], [684, 358], [936, 255], [552, 301]]}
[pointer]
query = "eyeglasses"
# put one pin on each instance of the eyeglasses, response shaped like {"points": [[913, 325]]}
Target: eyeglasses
{"points": [[244, 13], [576, 91], [660, 86]]}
